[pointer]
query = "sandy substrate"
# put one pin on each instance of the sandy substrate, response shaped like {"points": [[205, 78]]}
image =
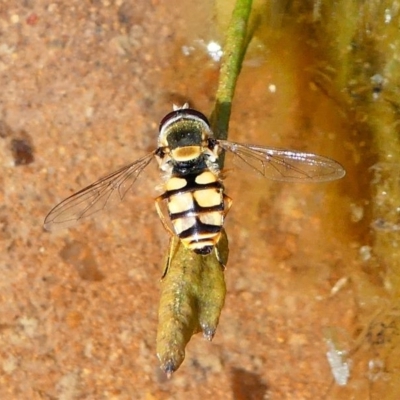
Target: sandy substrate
{"points": [[83, 88]]}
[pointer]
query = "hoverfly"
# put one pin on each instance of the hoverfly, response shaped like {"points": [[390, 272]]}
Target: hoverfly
{"points": [[189, 156]]}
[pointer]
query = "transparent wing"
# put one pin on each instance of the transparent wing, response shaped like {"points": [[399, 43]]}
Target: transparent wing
{"points": [[285, 165], [95, 197]]}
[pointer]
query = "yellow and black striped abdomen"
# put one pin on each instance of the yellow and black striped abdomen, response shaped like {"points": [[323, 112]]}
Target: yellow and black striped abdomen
{"points": [[196, 208]]}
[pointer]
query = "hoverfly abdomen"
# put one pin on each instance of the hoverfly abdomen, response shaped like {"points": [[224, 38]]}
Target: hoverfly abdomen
{"points": [[196, 209]]}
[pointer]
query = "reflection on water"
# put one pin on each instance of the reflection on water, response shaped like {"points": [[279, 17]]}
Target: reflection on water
{"points": [[337, 361], [318, 77]]}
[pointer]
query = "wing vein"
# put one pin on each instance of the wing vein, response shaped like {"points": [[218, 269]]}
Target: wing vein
{"points": [[96, 196]]}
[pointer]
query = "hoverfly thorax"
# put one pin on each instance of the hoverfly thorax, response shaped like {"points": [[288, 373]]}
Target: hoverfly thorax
{"points": [[184, 138]]}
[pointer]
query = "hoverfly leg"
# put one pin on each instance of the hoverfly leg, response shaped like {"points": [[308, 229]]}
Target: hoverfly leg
{"points": [[162, 216], [227, 204], [223, 266], [173, 243]]}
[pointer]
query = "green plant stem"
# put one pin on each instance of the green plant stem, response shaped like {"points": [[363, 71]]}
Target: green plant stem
{"points": [[234, 51]]}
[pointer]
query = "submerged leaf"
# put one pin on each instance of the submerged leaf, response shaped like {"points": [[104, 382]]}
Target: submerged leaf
{"points": [[192, 296]]}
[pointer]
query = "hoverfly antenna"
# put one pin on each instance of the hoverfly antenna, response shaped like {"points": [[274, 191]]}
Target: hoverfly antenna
{"points": [[176, 107]]}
